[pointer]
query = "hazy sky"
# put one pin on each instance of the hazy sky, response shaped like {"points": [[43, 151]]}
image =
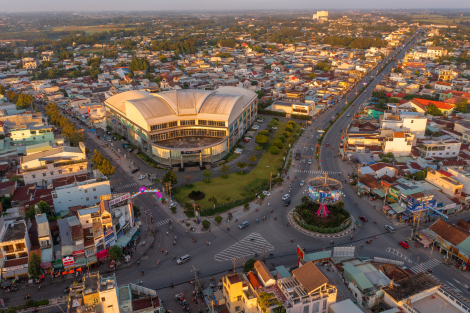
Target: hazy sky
{"points": [[152, 5]]}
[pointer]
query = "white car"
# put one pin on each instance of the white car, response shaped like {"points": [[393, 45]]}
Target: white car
{"points": [[286, 196], [141, 177], [260, 121], [348, 115], [266, 193], [255, 126], [275, 128], [238, 151], [302, 182]]}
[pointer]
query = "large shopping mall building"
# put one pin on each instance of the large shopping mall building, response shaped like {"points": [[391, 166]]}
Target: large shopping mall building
{"points": [[183, 127]]}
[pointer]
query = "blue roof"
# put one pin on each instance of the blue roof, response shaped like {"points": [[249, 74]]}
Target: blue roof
{"points": [[283, 271]]}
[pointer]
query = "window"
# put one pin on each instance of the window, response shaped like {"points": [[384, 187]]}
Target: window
{"points": [[52, 172], [70, 169], [54, 195], [34, 176], [159, 126], [81, 167], [43, 174], [60, 171], [187, 122], [324, 304], [306, 309], [43, 137], [237, 308], [95, 197], [94, 189], [412, 121], [87, 199], [315, 307], [202, 122], [86, 190], [172, 124], [239, 298], [34, 138]]}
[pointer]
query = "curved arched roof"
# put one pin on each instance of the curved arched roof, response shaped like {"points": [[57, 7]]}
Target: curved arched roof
{"points": [[144, 109]]}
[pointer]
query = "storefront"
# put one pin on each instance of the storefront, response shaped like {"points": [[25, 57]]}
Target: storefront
{"points": [[15, 271]]}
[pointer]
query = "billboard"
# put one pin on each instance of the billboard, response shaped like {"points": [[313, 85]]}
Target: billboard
{"points": [[324, 196]]}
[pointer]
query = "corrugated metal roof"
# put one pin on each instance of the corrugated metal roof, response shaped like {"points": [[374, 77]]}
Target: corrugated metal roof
{"points": [[317, 256], [283, 271]]}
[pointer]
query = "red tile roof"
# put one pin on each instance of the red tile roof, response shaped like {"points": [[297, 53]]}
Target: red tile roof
{"points": [[454, 163], [254, 280], [438, 104], [447, 174]]}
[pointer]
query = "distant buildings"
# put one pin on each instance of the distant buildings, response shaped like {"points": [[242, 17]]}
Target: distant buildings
{"points": [[321, 16]]}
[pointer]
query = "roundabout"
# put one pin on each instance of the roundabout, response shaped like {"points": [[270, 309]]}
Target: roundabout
{"points": [[322, 213]]}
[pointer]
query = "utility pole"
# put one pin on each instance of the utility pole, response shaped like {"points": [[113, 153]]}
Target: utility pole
{"points": [[197, 284], [264, 253]]}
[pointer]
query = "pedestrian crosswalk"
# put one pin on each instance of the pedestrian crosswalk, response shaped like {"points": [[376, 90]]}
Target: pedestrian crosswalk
{"points": [[318, 172], [125, 186], [425, 266], [244, 247], [161, 223]]}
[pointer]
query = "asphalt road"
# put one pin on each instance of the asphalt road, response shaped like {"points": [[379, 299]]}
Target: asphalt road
{"points": [[231, 248]]}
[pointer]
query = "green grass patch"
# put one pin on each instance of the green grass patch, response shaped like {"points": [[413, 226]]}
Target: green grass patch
{"points": [[231, 157], [237, 186]]}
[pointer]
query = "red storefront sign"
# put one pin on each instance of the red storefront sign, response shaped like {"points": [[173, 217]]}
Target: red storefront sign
{"points": [[68, 261]]}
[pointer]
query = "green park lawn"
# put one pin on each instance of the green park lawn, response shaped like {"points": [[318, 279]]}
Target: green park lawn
{"points": [[238, 185]]}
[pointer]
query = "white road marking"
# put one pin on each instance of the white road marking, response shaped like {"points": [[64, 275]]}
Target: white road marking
{"points": [[398, 253], [244, 247], [425, 266]]}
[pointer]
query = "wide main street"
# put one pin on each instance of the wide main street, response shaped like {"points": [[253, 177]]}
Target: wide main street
{"points": [[229, 248]]}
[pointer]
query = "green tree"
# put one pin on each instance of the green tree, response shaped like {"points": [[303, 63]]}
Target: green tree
{"points": [[241, 165], [252, 159], [2, 90], [218, 219], [115, 252], [261, 139], [249, 265], [260, 94], [274, 150], [136, 211], [206, 223], [171, 177], [106, 168], [24, 101], [224, 169], [433, 110], [31, 213], [277, 143], [311, 75], [44, 207], [138, 64], [323, 66], [207, 174], [34, 265], [461, 105]]}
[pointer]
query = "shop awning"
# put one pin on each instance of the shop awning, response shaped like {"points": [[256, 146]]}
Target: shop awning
{"points": [[386, 207], [80, 262], [399, 209], [379, 192], [92, 260], [8, 274], [21, 271]]}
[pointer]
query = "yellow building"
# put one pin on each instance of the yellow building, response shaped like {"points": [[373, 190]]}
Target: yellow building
{"points": [[237, 294]]}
